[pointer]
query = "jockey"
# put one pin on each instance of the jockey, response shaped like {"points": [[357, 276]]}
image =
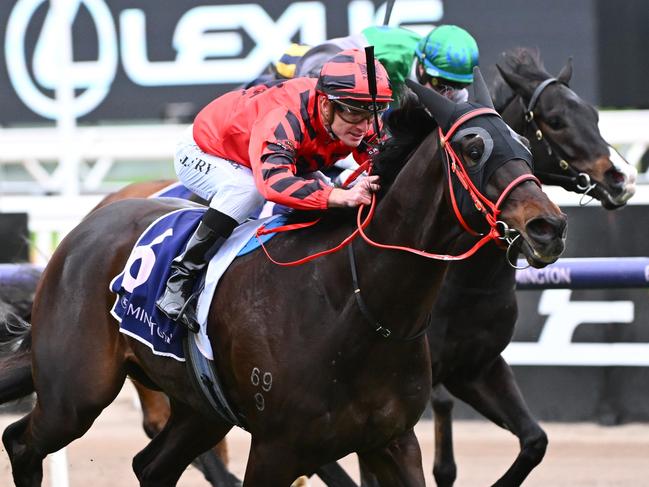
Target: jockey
{"points": [[269, 143], [444, 59]]}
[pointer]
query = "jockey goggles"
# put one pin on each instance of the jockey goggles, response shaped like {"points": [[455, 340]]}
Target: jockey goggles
{"points": [[446, 88], [356, 111]]}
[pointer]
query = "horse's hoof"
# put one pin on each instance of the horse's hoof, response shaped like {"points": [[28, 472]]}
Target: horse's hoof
{"points": [[301, 482]]}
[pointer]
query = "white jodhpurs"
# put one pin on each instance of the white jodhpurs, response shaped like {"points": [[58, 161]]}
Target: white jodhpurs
{"points": [[228, 186]]}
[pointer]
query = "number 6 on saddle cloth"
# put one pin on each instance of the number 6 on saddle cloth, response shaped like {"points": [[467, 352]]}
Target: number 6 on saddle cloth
{"points": [[144, 276]]}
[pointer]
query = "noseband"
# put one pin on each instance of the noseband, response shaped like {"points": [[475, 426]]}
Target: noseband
{"points": [[576, 181]]}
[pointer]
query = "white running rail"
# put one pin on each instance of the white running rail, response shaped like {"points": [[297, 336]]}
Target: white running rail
{"points": [[102, 147]]}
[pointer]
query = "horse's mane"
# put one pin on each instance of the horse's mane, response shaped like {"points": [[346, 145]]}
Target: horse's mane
{"points": [[524, 61], [407, 125]]}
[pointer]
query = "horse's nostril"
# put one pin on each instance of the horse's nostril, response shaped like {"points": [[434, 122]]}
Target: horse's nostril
{"points": [[614, 177], [546, 229]]}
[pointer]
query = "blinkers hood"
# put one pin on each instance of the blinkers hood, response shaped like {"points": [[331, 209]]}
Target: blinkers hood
{"points": [[501, 143]]}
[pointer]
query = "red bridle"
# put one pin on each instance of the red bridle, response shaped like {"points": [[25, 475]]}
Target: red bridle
{"points": [[455, 167]]}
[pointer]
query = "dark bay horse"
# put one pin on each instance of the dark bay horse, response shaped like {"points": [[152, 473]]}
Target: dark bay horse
{"points": [[569, 134], [568, 148], [524, 73], [477, 302], [353, 391]]}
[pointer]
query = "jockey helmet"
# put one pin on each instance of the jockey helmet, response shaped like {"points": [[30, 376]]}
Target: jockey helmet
{"points": [[284, 67], [343, 80], [448, 52]]}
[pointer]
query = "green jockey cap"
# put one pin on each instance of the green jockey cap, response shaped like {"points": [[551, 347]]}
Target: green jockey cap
{"points": [[394, 47], [448, 52]]}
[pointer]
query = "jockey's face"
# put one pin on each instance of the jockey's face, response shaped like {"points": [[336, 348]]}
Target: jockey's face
{"points": [[349, 127]]}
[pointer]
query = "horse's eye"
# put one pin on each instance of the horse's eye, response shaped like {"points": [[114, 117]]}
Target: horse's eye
{"points": [[555, 123], [475, 154]]}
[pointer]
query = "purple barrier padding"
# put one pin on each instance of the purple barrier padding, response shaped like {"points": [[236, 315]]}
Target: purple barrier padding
{"points": [[19, 274], [586, 273]]}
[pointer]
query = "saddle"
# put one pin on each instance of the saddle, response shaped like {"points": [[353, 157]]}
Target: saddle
{"points": [[143, 280]]}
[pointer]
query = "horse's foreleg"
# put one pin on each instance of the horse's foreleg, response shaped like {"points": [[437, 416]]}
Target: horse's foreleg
{"points": [[155, 414], [444, 468], [333, 475], [214, 469], [271, 463], [155, 409], [397, 464], [186, 435], [495, 395], [368, 479]]}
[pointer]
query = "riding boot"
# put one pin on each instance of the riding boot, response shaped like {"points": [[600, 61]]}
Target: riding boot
{"points": [[179, 300]]}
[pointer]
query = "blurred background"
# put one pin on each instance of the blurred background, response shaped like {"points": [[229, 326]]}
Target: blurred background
{"points": [[95, 93]]}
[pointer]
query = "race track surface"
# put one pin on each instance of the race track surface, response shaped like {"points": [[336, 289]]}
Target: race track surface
{"points": [[582, 454]]}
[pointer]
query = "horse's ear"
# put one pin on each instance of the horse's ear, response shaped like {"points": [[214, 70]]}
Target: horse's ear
{"points": [[440, 107], [480, 90], [516, 82], [566, 72]]}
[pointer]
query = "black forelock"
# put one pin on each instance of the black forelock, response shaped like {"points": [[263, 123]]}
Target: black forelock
{"points": [[525, 62]]}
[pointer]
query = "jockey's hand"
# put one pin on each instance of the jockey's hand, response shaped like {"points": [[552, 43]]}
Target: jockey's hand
{"points": [[359, 194]]}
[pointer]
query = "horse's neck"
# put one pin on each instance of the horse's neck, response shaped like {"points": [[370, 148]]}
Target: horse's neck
{"points": [[486, 270], [414, 213], [416, 207]]}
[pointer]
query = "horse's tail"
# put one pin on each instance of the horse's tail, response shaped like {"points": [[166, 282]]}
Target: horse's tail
{"points": [[15, 359], [16, 376]]}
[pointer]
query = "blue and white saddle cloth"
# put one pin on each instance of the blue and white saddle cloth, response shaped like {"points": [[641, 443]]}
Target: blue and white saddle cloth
{"points": [[146, 271], [174, 190]]}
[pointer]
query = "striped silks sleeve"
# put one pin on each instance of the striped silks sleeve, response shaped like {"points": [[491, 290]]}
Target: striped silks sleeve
{"points": [[272, 157]]}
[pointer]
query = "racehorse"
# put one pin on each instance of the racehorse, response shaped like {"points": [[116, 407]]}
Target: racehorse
{"points": [[355, 390], [570, 151], [525, 74], [477, 301]]}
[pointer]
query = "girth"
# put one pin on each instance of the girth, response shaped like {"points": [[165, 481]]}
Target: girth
{"points": [[207, 384]]}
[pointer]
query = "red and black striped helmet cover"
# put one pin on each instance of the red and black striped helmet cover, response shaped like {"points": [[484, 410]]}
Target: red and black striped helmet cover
{"points": [[344, 76]]}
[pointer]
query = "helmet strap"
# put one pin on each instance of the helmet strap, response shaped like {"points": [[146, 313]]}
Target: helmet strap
{"points": [[422, 76], [328, 118]]}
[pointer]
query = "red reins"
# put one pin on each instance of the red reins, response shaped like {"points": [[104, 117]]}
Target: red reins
{"points": [[454, 166]]}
